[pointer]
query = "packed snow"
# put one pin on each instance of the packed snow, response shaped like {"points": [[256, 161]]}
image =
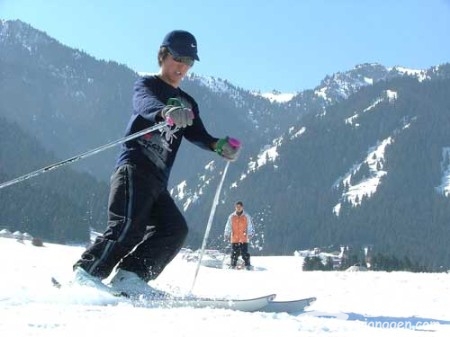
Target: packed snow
{"points": [[348, 303]]}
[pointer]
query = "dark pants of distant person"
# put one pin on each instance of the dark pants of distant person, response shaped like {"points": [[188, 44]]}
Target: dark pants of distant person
{"points": [[145, 228], [240, 249]]}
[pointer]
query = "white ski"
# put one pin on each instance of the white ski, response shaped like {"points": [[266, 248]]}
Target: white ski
{"points": [[247, 305], [265, 303], [170, 301], [291, 307]]}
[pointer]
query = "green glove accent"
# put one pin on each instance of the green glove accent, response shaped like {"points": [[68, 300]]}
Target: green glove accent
{"points": [[174, 102], [219, 146]]}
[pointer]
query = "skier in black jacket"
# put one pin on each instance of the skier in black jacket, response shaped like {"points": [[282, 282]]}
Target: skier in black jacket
{"points": [[145, 229]]}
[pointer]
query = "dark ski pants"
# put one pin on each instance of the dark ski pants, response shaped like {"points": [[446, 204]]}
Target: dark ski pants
{"points": [[145, 228], [240, 249]]}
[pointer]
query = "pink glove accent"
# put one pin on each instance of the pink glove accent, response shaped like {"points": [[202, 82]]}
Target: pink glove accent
{"points": [[235, 143]]}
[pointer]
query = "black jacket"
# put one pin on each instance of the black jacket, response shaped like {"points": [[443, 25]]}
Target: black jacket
{"points": [[156, 151]]}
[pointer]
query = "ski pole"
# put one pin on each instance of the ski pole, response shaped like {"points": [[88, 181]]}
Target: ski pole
{"points": [[82, 155], [208, 226]]}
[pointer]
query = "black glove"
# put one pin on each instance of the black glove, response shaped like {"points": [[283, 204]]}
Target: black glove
{"points": [[229, 148], [177, 115]]}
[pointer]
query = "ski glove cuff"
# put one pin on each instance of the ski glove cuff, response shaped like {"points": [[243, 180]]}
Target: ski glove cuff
{"points": [[229, 148], [177, 115]]}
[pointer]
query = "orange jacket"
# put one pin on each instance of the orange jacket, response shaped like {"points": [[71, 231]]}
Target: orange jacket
{"points": [[239, 228]]}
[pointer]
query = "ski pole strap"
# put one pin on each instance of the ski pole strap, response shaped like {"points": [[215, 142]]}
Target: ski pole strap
{"points": [[82, 155]]}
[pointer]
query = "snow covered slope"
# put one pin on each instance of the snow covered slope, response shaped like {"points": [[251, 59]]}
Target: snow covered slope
{"points": [[348, 304]]}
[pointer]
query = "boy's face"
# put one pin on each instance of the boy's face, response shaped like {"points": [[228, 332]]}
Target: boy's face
{"points": [[173, 70]]}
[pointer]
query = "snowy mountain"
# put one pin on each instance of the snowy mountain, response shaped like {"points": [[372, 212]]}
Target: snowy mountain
{"points": [[347, 172], [57, 94], [362, 159], [342, 85], [348, 303]]}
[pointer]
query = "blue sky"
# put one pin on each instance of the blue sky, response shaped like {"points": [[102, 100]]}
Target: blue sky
{"points": [[287, 45]]}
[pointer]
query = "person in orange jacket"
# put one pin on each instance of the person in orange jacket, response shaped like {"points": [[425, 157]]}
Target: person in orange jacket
{"points": [[239, 230]]}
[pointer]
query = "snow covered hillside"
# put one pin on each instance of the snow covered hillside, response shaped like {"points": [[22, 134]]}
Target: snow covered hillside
{"points": [[348, 303]]}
